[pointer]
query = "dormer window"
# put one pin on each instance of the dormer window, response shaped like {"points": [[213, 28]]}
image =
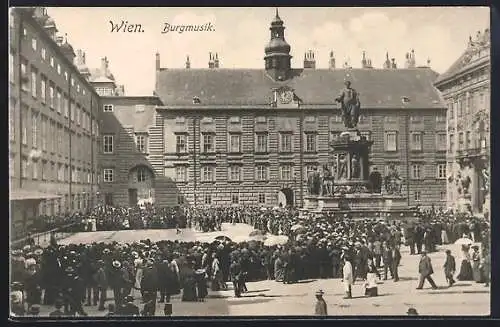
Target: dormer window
{"points": [[196, 100]]}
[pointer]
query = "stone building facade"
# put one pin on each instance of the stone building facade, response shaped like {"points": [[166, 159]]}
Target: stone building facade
{"points": [[466, 90], [53, 125], [217, 136]]}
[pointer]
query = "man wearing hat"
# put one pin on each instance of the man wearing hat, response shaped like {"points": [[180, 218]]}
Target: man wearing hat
{"points": [[34, 310], [320, 308], [17, 299], [412, 312], [57, 312], [449, 268], [116, 282], [101, 281], [425, 270], [128, 308]]}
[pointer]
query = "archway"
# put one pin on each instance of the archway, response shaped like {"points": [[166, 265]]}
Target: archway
{"points": [[140, 185], [286, 197]]}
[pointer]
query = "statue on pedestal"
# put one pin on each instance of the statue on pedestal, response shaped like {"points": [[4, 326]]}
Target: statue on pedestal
{"points": [[355, 167], [342, 166], [350, 105]]}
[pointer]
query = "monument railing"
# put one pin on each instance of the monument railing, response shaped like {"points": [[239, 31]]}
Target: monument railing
{"points": [[42, 238]]}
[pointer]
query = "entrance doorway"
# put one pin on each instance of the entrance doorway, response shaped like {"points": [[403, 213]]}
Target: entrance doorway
{"points": [[286, 198], [132, 197]]}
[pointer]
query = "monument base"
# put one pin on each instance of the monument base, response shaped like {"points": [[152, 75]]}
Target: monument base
{"points": [[360, 206]]}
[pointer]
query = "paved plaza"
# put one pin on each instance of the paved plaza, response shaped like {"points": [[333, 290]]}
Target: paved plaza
{"points": [[273, 298]]}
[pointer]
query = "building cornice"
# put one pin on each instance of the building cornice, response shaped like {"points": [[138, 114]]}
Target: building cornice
{"points": [[480, 63]]}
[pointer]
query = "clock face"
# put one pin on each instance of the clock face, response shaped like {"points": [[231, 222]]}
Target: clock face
{"points": [[286, 97]]}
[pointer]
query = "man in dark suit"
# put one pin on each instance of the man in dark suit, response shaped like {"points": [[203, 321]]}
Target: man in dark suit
{"points": [[425, 270], [396, 259], [387, 259], [128, 308], [449, 268]]}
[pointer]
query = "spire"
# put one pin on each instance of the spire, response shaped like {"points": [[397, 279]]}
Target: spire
{"points": [[277, 58], [188, 63], [331, 63], [363, 60]]}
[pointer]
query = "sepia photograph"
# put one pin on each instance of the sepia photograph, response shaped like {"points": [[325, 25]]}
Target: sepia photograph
{"points": [[262, 161]]}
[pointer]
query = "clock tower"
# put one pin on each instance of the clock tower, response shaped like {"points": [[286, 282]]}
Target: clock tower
{"points": [[277, 51]]}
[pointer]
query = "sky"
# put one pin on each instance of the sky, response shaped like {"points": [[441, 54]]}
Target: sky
{"points": [[240, 34]]}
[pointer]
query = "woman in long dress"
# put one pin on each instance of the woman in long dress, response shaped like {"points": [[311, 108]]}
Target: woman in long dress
{"points": [[188, 277], [476, 262], [279, 269], [466, 267], [371, 288]]}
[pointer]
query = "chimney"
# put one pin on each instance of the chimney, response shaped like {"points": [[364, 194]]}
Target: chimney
{"points": [[363, 60], [412, 62], [120, 90], [369, 63], [211, 63], [40, 15], [393, 63], [331, 63], [309, 60], [216, 61], [80, 57], [104, 66], [157, 61], [387, 63], [188, 63]]}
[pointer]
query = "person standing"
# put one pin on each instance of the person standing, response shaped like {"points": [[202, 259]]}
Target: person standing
{"points": [[486, 267], [347, 278], [476, 262], [387, 260], [320, 308], [425, 270], [101, 281], [449, 268], [465, 273], [396, 259]]}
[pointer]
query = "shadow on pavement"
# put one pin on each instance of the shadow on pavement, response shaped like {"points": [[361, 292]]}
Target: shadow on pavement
{"points": [[255, 291], [407, 278], [250, 301], [305, 281]]}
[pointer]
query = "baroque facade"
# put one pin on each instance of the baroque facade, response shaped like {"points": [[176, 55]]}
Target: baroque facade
{"points": [[53, 125], [466, 90], [221, 136]]}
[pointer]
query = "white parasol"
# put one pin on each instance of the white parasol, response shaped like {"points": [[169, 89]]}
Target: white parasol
{"points": [[297, 227], [276, 240], [464, 241]]}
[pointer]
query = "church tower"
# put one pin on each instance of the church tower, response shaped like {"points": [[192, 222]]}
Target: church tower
{"points": [[277, 51]]}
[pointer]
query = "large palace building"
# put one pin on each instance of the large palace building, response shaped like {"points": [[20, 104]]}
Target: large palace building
{"points": [[466, 90], [217, 136], [53, 129]]}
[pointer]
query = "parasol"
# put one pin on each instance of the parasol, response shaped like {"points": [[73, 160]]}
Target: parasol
{"points": [[223, 238], [276, 240], [464, 241], [257, 232], [298, 229]]}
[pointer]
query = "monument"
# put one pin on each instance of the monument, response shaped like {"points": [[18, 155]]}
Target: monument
{"points": [[346, 186]]}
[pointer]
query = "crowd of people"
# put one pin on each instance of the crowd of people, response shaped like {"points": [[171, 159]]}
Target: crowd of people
{"points": [[319, 246]]}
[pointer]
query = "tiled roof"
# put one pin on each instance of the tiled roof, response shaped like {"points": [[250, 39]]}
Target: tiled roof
{"points": [[378, 88]]}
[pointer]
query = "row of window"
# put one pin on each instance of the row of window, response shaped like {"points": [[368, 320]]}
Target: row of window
{"points": [[47, 56], [467, 142], [285, 144], [59, 206], [307, 119], [467, 103], [50, 171], [262, 173], [55, 98], [48, 135], [110, 108]]}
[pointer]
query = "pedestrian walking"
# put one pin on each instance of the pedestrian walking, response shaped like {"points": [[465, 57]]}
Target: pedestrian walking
{"points": [[449, 268], [347, 278], [320, 308], [425, 270]]}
